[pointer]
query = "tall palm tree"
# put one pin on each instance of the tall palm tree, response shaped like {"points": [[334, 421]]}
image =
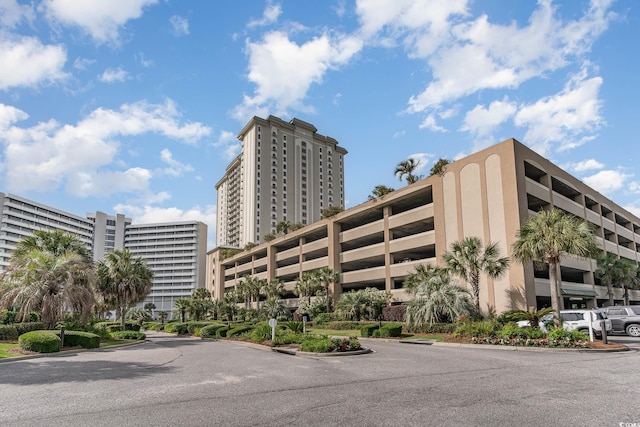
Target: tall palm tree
{"points": [[50, 272], [149, 307], [306, 286], [612, 271], [548, 236], [181, 306], [124, 280], [326, 276], [274, 308], [439, 167], [405, 170], [422, 274], [273, 289], [352, 305], [379, 191], [50, 285], [438, 298], [467, 259], [283, 227]]}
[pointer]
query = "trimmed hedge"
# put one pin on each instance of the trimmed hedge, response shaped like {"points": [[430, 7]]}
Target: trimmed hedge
{"points": [[12, 332], [238, 330], [177, 328], [433, 328], [389, 330], [222, 332], [40, 341], [80, 339], [129, 335], [192, 326], [347, 324], [117, 326], [210, 330], [368, 330]]}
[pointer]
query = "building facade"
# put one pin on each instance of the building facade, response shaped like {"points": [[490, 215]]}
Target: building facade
{"points": [[285, 172], [175, 252], [489, 194], [21, 217]]}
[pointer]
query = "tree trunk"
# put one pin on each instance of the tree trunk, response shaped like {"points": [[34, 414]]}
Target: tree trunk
{"points": [[553, 290], [625, 294], [326, 291], [610, 293]]}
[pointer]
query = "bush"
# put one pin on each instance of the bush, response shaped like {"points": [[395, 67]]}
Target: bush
{"points": [[511, 316], [486, 328], [295, 327], [210, 330], [433, 328], [80, 339], [262, 332], [288, 338], [7, 317], [40, 342], [347, 325], [511, 330], [148, 325], [222, 332], [324, 318], [8, 333], [238, 330], [117, 326], [389, 330], [345, 344], [315, 344], [394, 313], [368, 330], [157, 327], [192, 326], [129, 335], [177, 328]]}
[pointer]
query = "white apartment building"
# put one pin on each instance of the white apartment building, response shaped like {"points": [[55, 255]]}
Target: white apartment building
{"points": [[108, 233], [285, 172], [21, 217], [175, 252]]}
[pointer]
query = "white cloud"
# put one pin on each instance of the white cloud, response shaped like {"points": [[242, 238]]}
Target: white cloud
{"points": [[83, 63], [230, 145], [430, 122], [175, 168], [112, 75], [179, 25], [145, 62], [269, 16], [102, 20], [49, 155], [423, 160], [607, 181], [283, 71], [10, 115], [583, 166], [27, 62], [12, 13], [563, 118], [482, 121], [503, 56]]}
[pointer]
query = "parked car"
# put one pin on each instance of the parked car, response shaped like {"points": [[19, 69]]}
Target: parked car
{"points": [[576, 319], [624, 319]]}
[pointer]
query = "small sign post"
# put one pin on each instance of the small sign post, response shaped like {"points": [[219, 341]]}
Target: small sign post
{"points": [[273, 323], [304, 324]]}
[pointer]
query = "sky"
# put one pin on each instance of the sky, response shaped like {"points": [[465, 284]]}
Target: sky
{"points": [[134, 106]]}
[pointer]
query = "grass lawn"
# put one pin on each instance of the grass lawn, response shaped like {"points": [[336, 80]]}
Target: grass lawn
{"points": [[111, 343], [335, 332], [5, 347]]}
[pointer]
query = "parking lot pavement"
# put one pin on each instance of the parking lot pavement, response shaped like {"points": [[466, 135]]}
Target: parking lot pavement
{"points": [[631, 342], [176, 381]]}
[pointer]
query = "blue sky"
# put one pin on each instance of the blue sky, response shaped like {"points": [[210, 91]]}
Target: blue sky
{"points": [[133, 106]]}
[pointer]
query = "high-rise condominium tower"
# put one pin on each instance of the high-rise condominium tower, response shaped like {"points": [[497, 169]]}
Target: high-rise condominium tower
{"points": [[285, 172]]}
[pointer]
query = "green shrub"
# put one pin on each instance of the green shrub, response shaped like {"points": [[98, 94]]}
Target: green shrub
{"points": [[347, 325], [323, 319], [433, 328], [511, 316], [238, 330], [25, 327], [40, 341], [210, 330], [8, 333], [80, 339], [129, 335], [177, 328], [157, 327], [486, 328], [295, 327], [148, 325], [222, 332], [390, 330], [344, 344], [316, 344], [191, 326], [512, 330], [261, 332], [287, 338], [368, 330], [7, 317]]}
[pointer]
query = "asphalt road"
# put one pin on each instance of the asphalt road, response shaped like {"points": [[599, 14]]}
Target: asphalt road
{"points": [[174, 381]]}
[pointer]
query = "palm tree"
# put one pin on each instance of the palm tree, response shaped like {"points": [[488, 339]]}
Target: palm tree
{"points": [[50, 273], [439, 167], [548, 236], [614, 271], [139, 315], [162, 315], [325, 276], [352, 305], [306, 286], [181, 306], [274, 308], [201, 293], [405, 170], [283, 227], [532, 315], [422, 274], [273, 289], [124, 280], [467, 259], [437, 298], [379, 191], [50, 285], [150, 307]]}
